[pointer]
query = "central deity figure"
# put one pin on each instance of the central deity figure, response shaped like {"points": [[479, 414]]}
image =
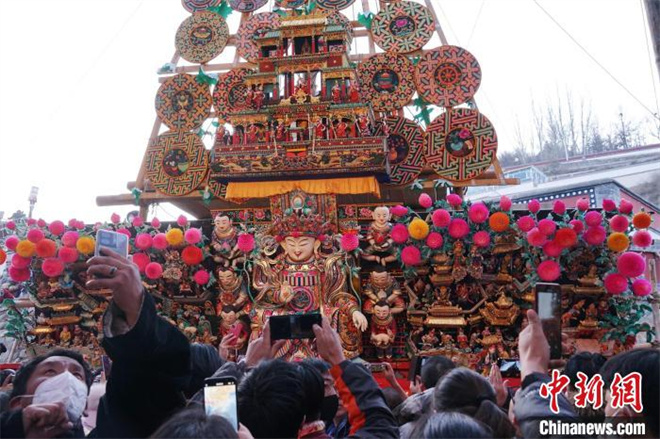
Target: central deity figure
{"points": [[298, 278]]}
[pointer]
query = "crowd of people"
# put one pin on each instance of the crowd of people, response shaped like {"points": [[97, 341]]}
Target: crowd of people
{"points": [[156, 386]]}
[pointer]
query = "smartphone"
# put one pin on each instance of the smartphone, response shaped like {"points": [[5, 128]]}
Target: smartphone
{"points": [[220, 399], [509, 367], [376, 367], [294, 326], [416, 364], [548, 307], [117, 242]]}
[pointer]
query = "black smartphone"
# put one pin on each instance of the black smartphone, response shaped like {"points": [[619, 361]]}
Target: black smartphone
{"points": [[416, 364], [220, 399], [376, 367], [509, 367], [293, 326], [548, 307]]}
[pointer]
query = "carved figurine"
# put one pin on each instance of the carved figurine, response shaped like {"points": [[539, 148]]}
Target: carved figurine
{"points": [[383, 329], [280, 132], [320, 129], [258, 98], [336, 93], [363, 126], [231, 291], [380, 247], [341, 129], [382, 286], [65, 336], [503, 276], [301, 279], [476, 267], [224, 241], [354, 92], [459, 267], [429, 340], [462, 339]]}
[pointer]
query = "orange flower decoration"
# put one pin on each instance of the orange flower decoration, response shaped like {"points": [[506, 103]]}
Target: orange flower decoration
{"points": [[618, 242], [3, 256], [499, 221], [25, 248], [642, 220]]}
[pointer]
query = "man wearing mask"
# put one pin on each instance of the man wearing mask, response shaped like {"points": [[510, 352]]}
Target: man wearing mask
{"points": [[151, 367]]}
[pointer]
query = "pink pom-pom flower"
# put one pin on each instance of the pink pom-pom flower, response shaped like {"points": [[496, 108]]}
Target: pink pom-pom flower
{"points": [[478, 213], [182, 221], [631, 264], [552, 249], [159, 241], [619, 223], [425, 201], [434, 240], [115, 218], [399, 233], [35, 235], [642, 239], [10, 225], [593, 218], [80, 225], [577, 225], [153, 270], [155, 223], [52, 267], [56, 227], [534, 206], [19, 274], [641, 287], [608, 205], [559, 207], [481, 239], [124, 231], [31, 222], [441, 218], [582, 204], [399, 210], [536, 238], [505, 203], [625, 207], [615, 283], [137, 221], [245, 242], [526, 223], [547, 226], [454, 200], [411, 256], [67, 254], [141, 260], [11, 242], [19, 261], [143, 241], [349, 242], [193, 235], [70, 238], [458, 228], [201, 277], [595, 235], [41, 223], [548, 271]]}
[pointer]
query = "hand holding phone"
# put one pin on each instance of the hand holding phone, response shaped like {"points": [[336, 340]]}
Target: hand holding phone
{"points": [[220, 399], [548, 308], [293, 326], [117, 242]]}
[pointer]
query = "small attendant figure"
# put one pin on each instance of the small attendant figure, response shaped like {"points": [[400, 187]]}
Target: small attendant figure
{"points": [[354, 92], [342, 130], [320, 129], [380, 247], [383, 330], [258, 98], [363, 126], [336, 93]]}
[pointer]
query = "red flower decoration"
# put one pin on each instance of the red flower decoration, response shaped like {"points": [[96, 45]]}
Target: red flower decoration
{"points": [[46, 248], [619, 223], [458, 228], [153, 270], [201, 277], [566, 237], [11, 242], [56, 227], [192, 255], [193, 236], [481, 239], [505, 203], [615, 283], [552, 249], [52, 267], [411, 256], [399, 233], [19, 274], [245, 242], [141, 260], [536, 238], [642, 238], [595, 235], [425, 201], [10, 225], [143, 241], [625, 207], [478, 213], [159, 241], [399, 210], [631, 264], [526, 223], [35, 235], [155, 223], [534, 206], [548, 271], [582, 204], [608, 205], [434, 240], [441, 218], [642, 287], [577, 225], [68, 254], [70, 238], [547, 226], [593, 218], [19, 261], [559, 207], [115, 218], [454, 200], [182, 221], [349, 242]]}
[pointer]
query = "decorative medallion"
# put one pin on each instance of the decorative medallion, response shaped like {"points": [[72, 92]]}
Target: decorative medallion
{"points": [[290, 4], [405, 149], [402, 27], [199, 5], [230, 93], [460, 144], [334, 4], [337, 18], [448, 76], [387, 81], [176, 162], [182, 103], [256, 26], [201, 37], [246, 5]]}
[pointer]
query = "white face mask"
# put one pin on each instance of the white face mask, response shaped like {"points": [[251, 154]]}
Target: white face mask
{"points": [[64, 388]]}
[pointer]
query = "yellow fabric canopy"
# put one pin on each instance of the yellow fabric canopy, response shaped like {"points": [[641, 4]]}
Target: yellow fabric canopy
{"points": [[264, 189]]}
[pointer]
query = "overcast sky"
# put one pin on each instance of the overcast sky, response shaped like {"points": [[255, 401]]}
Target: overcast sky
{"points": [[78, 82]]}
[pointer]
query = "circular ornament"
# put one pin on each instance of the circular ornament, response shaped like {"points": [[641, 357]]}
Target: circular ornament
{"points": [[255, 27], [387, 81], [229, 93], [201, 37], [182, 103], [402, 27], [176, 162], [337, 18], [460, 144], [199, 5], [448, 76], [334, 4], [405, 149], [246, 5], [290, 4]]}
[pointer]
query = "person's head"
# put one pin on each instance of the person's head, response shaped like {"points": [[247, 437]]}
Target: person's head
{"points": [[392, 397], [271, 400], [465, 391], [330, 398], [44, 367], [314, 391], [646, 362], [434, 368], [586, 362], [194, 423], [453, 425], [205, 360]]}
